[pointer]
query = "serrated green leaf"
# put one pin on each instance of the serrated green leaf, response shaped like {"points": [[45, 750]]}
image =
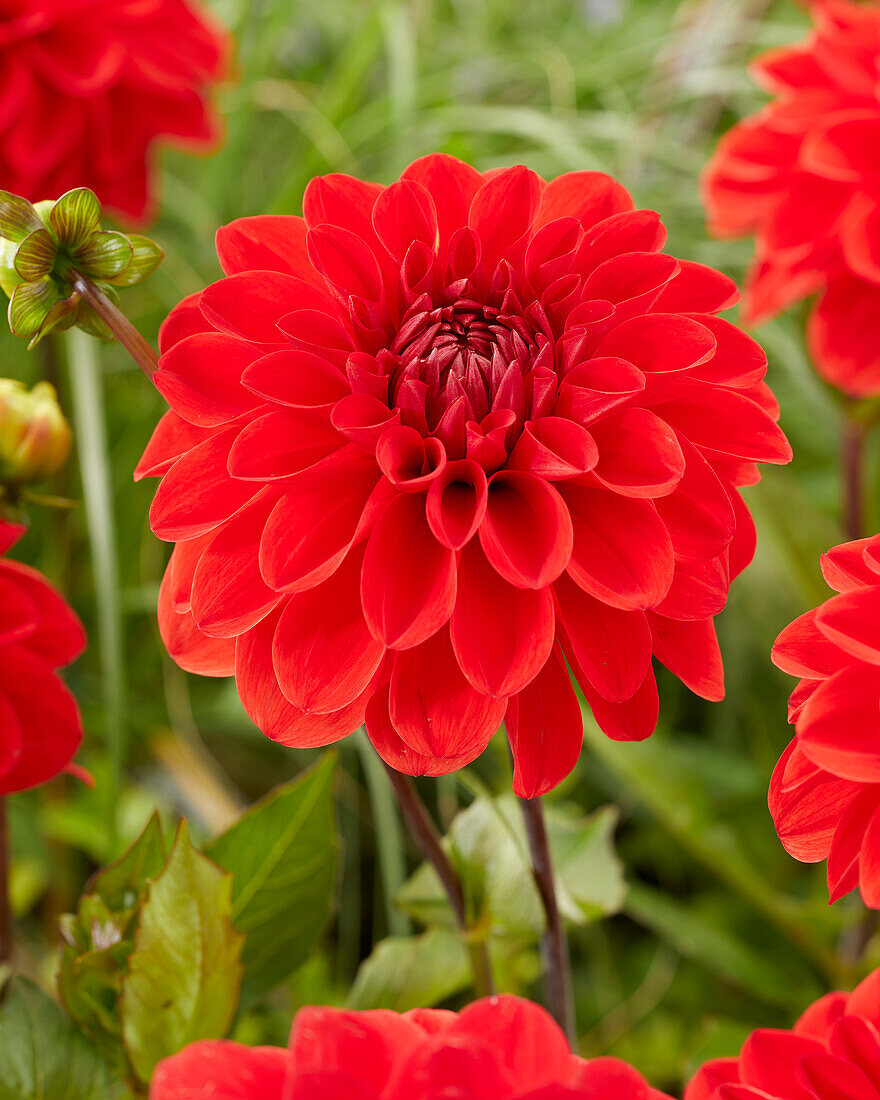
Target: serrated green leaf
{"points": [[75, 217], [123, 883], [146, 257], [42, 1055], [412, 972], [104, 255], [35, 255], [17, 217], [185, 971], [29, 306], [283, 856], [487, 843]]}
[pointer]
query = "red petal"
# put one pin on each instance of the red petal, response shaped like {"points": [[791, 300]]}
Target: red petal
{"points": [[502, 212], [296, 378], [433, 707], [281, 443], [633, 720], [188, 647], [337, 199], [838, 727], [727, 422], [228, 594], [267, 242], [46, 714], [611, 647], [698, 591], [225, 1070], [697, 289], [197, 493], [200, 378], [587, 196], [622, 551], [502, 635], [554, 448], [456, 502], [172, 438], [323, 653], [186, 319], [527, 533], [452, 185], [345, 260], [312, 526], [18, 615], [690, 651], [592, 389], [404, 213], [852, 622], [639, 454], [409, 461], [660, 343], [57, 636], [698, 513], [849, 565], [251, 304], [267, 707], [546, 730], [397, 754], [803, 650], [408, 585]]}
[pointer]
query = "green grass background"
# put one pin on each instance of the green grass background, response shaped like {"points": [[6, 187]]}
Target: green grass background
{"points": [[722, 931]]}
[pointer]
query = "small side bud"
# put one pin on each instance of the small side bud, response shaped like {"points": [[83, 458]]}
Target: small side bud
{"points": [[35, 438]]}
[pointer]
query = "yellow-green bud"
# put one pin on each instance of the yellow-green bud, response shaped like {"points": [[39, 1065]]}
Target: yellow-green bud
{"points": [[35, 438]]}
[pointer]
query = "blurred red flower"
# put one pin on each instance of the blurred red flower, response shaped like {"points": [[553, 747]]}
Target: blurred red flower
{"points": [[833, 1051], [432, 441], [825, 790], [40, 727], [803, 175], [87, 86], [500, 1047]]}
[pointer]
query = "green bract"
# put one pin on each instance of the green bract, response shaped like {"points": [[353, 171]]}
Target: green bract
{"points": [[43, 248]]}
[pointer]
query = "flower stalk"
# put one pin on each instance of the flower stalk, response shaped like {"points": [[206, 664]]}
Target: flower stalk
{"points": [[124, 331], [853, 437], [557, 966], [425, 834]]}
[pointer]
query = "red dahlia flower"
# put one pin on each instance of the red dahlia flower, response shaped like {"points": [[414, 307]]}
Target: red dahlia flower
{"points": [[501, 1047], [87, 86], [831, 1053], [40, 726], [432, 441], [825, 791], [803, 175]]}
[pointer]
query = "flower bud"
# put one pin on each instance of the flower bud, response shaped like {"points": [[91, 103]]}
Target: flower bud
{"points": [[35, 438]]}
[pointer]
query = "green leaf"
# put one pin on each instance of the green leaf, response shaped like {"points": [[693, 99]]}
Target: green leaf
{"points": [[75, 217], [29, 306], [283, 856], [185, 972], [42, 1055], [146, 257], [487, 843], [123, 883], [35, 255], [17, 217], [104, 255], [412, 972]]}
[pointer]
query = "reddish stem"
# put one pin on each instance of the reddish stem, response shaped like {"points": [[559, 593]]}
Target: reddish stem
{"points": [[124, 331]]}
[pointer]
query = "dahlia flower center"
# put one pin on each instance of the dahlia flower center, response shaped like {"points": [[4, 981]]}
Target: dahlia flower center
{"points": [[464, 356]]}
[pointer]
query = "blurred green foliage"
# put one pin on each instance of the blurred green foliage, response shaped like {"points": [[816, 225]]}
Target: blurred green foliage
{"points": [[720, 930]]}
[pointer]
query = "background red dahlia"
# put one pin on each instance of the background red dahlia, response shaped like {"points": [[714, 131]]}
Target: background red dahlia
{"points": [[430, 442], [87, 87]]}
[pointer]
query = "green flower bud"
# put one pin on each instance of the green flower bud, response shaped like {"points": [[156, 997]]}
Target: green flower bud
{"points": [[35, 438]]}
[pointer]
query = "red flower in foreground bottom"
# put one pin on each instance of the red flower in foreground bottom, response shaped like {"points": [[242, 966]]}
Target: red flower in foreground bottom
{"points": [[832, 1053], [500, 1048], [802, 174], [825, 791], [432, 441], [86, 88], [40, 726]]}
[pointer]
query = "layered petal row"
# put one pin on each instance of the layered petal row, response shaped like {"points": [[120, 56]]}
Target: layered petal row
{"points": [[825, 790], [500, 1047], [431, 445], [802, 176], [40, 725]]}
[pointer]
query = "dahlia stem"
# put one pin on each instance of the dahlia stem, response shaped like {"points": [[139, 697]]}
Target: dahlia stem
{"points": [[853, 437], [560, 998], [425, 834], [5, 900], [124, 331]]}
